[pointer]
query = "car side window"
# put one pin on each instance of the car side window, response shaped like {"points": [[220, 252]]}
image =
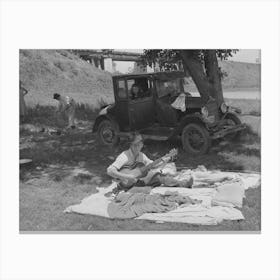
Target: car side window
{"points": [[121, 91], [139, 88]]}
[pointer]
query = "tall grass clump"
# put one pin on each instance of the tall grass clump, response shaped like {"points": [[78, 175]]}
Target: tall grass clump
{"points": [[48, 116]]}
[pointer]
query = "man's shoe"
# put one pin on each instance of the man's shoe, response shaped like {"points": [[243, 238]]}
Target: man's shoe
{"points": [[140, 183]]}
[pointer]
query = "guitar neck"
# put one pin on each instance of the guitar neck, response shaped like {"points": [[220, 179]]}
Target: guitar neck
{"points": [[153, 164]]}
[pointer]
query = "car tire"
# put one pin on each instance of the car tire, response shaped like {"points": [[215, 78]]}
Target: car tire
{"points": [[235, 121], [108, 132], [195, 139]]}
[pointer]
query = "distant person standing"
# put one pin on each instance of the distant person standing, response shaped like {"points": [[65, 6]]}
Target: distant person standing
{"points": [[67, 106], [22, 105]]}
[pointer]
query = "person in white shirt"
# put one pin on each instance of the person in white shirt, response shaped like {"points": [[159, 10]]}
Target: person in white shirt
{"points": [[67, 106], [130, 158]]}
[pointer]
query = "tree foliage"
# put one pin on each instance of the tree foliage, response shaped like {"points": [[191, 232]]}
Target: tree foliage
{"points": [[168, 59], [200, 64]]}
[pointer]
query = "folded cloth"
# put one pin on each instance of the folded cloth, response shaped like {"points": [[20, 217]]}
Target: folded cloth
{"points": [[180, 102], [144, 189], [131, 205], [196, 214]]}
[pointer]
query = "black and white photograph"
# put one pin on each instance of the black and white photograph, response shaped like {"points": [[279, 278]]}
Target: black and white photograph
{"points": [[140, 140]]}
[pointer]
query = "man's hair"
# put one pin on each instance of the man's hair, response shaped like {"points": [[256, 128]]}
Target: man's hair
{"points": [[136, 138], [56, 96]]}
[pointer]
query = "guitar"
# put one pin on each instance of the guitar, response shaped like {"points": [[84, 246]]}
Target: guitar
{"points": [[141, 170]]}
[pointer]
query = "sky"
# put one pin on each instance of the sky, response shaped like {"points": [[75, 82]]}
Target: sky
{"points": [[243, 55]]}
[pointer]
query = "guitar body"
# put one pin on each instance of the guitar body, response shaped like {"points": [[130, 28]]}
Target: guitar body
{"points": [[141, 171], [137, 171]]}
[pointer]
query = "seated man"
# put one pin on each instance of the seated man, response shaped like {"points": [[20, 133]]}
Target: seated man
{"points": [[124, 169]]}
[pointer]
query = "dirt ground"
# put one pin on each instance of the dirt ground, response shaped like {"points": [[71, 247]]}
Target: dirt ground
{"points": [[66, 168]]}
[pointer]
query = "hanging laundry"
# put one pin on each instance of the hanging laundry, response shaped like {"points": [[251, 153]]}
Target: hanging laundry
{"points": [[180, 102]]}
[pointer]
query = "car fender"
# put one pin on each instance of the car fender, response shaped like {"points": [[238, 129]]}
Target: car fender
{"points": [[104, 110], [193, 118], [230, 113], [234, 115]]}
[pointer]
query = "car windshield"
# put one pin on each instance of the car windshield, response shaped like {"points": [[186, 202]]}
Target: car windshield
{"points": [[169, 87]]}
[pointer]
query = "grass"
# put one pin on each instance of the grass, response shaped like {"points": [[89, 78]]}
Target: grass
{"points": [[248, 106], [69, 167]]}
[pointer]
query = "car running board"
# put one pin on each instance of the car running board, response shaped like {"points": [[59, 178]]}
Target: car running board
{"points": [[229, 130], [153, 133], [155, 137]]}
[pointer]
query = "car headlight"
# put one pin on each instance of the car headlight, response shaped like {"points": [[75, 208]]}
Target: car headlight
{"points": [[204, 112], [224, 108]]}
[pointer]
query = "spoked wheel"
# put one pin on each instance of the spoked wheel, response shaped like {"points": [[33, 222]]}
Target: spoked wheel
{"points": [[108, 133], [195, 139]]}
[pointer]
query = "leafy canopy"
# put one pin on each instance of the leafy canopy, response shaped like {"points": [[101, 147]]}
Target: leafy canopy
{"points": [[168, 58]]}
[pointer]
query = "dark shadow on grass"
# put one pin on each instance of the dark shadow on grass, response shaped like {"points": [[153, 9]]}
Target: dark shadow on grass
{"points": [[82, 146], [212, 160]]}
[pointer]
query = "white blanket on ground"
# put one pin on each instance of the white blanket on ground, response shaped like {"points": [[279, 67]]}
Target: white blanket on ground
{"points": [[205, 213], [216, 204], [95, 204]]}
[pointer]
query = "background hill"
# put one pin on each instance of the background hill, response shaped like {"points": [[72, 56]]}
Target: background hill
{"points": [[241, 75], [44, 72]]}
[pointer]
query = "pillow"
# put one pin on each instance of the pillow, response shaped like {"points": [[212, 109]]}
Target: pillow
{"points": [[230, 192]]}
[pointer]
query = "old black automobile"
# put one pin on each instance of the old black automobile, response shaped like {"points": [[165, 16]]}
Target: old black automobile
{"points": [[154, 113]]}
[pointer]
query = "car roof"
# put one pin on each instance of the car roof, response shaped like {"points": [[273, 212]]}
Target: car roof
{"points": [[156, 75]]}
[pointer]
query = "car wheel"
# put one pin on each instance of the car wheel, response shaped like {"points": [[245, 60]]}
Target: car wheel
{"points": [[108, 133], [233, 120], [195, 139]]}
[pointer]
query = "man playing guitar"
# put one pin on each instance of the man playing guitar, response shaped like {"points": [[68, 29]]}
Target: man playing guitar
{"points": [[126, 167]]}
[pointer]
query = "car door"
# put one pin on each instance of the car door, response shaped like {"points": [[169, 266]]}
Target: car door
{"points": [[120, 110], [141, 110]]}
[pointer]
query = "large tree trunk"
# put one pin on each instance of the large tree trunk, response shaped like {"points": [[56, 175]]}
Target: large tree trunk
{"points": [[193, 65], [213, 74], [208, 83]]}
